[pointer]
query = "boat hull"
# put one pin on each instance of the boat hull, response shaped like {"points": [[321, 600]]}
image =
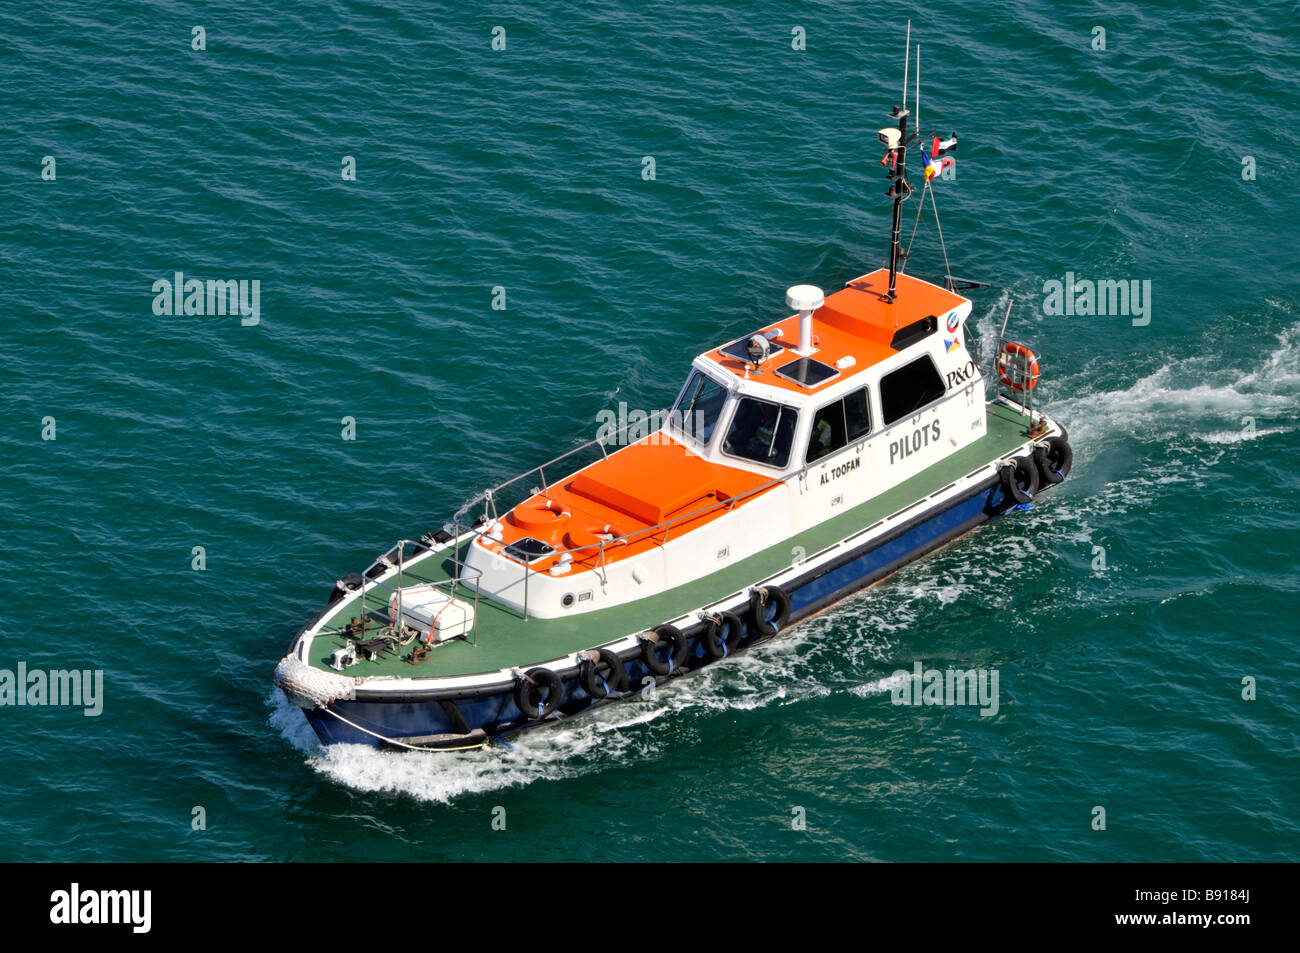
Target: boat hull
{"points": [[443, 717]]}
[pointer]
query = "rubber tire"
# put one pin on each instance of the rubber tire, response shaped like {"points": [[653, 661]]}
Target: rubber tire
{"points": [[1020, 481], [590, 675], [680, 648], [715, 645], [758, 614], [528, 693], [352, 580], [1053, 457]]}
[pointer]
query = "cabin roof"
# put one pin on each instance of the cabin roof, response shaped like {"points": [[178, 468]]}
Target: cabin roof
{"points": [[857, 321]]}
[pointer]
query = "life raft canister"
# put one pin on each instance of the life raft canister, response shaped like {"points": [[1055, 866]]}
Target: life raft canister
{"points": [[722, 635], [1018, 367], [1020, 480], [538, 692], [1054, 458], [663, 637], [602, 674], [769, 609]]}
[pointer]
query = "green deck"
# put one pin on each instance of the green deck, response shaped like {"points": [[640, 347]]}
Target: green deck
{"points": [[506, 640]]}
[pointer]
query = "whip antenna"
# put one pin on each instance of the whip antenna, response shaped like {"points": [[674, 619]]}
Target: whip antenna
{"points": [[907, 58], [918, 87]]}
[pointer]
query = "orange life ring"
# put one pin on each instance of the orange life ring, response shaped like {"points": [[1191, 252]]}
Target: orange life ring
{"points": [[1013, 350], [582, 540], [588, 539], [545, 514]]}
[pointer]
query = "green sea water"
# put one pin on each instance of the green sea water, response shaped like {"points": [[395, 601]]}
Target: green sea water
{"points": [[1125, 615]]}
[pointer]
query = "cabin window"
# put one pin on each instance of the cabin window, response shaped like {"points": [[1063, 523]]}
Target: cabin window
{"points": [[857, 414], [838, 423], [761, 431], [827, 431], [909, 388], [698, 409]]}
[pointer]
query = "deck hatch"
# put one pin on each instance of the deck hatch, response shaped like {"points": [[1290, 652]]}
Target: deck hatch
{"points": [[528, 550], [807, 373]]}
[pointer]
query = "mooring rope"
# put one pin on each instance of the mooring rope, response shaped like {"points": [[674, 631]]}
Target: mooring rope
{"points": [[394, 741]]}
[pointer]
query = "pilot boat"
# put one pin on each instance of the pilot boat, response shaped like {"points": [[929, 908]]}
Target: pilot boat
{"points": [[799, 464]]}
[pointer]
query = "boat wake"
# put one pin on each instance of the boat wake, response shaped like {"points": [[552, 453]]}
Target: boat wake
{"points": [[1192, 400], [1174, 423], [1195, 399], [1178, 429]]}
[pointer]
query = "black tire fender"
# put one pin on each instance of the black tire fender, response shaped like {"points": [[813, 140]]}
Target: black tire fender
{"points": [[722, 635], [1054, 457], [603, 676], [761, 599], [678, 647], [1020, 480], [538, 692], [353, 582]]}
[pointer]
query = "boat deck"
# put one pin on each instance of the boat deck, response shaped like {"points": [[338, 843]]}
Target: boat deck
{"points": [[506, 639]]}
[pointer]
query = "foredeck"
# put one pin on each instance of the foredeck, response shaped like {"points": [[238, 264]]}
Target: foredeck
{"points": [[506, 639]]}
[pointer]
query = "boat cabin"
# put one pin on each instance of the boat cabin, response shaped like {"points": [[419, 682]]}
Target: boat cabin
{"points": [[855, 392], [871, 363]]}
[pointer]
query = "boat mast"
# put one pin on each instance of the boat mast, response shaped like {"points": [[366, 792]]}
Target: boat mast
{"points": [[897, 174]]}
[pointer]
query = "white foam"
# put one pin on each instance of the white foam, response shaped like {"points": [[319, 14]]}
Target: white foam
{"points": [[288, 719], [1193, 397], [1237, 436], [881, 686]]}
